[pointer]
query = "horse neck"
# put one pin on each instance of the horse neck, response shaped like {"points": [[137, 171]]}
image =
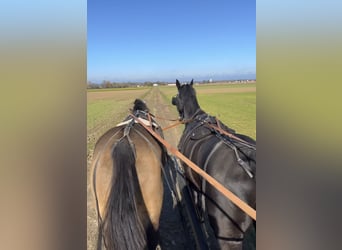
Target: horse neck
{"points": [[191, 108], [192, 122]]}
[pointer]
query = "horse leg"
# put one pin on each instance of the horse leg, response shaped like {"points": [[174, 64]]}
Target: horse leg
{"points": [[228, 233], [249, 240], [153, 238], [229, 245]]}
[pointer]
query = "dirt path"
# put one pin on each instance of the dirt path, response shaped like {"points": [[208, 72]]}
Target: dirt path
{"points": [[161, 107], [172, 233]]}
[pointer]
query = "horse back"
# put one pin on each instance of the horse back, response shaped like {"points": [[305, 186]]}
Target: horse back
{"points": [[218, 158]]}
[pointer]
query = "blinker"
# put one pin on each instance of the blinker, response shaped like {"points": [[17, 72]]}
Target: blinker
{"points": [[174, 100]]}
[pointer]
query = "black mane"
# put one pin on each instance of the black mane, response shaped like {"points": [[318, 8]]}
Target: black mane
{"points": [[140, 105], [187, 103]]}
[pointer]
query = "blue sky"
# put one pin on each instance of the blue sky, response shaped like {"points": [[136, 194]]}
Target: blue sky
{"points": [[163, 40]]}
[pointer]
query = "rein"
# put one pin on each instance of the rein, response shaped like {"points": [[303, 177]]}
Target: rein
{"points": [[231, 196], [165, 119], [177, 121], [217, 128], [174, 125]]}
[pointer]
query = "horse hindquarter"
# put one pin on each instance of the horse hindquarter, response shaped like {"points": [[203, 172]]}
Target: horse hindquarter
{"points": [[228, 222]]}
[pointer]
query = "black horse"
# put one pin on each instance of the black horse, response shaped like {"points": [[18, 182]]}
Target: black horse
{"points": [[228, 157]]}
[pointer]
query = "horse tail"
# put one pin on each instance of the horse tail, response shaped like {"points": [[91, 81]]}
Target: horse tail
{"points": [[122, 228]]}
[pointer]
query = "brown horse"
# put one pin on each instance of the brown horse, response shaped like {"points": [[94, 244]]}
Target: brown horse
{"points": [[128, 184]]}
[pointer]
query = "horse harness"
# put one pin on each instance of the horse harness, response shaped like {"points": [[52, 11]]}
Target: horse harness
{"points": [[209, 122], [212, 126]]}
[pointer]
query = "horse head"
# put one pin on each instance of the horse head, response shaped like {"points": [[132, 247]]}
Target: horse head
{"points": [[186, 101], [140, 105]]}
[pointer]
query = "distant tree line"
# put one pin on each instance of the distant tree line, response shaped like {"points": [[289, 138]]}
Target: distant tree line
{"points": [[109, 84]]}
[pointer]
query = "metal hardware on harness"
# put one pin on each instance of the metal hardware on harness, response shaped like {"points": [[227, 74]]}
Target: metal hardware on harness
{"points": [[218, 132], [146, 122], [241, 162]]}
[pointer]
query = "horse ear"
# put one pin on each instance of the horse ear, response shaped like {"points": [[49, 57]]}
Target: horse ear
{"points": [[177, 84], [192, 82]]}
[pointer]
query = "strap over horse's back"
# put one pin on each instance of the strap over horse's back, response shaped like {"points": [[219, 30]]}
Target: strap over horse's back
{"points": [[242, 145]]}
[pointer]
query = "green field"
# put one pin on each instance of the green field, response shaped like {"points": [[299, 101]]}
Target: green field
{"points": [[107, 108], [233, 104], [236, 110]]}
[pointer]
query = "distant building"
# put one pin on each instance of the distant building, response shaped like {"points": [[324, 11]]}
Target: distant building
{"points": [[155, 85]]}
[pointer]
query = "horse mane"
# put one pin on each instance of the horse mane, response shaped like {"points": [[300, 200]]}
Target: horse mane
{"points": [[190, 90], [190, 98], [140, 105]]}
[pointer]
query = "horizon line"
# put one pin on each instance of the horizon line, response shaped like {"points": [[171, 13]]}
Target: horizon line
{"points": [[160, 81]]}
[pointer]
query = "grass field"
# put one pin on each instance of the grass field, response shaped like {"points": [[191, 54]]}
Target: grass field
{"points": [[237, 110], [107, 108], [233, 104]]}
